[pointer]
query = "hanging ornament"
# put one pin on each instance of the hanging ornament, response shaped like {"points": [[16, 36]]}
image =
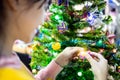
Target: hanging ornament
{"points": [[111, 38], [56, 46], [62, 27], [91, 18], [100, 43], [95, 19]]}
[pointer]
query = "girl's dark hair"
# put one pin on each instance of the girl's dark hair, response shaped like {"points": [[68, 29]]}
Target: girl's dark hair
{"points": [[2, 15]]}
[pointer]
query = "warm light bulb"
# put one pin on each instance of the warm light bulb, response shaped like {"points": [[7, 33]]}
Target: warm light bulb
{"points": [[83, 52], [79, 73], [34, 71], [114, 50]]}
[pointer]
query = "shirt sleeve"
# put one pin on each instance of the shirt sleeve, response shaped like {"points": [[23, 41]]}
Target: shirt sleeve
{"points": [[50, 72]]}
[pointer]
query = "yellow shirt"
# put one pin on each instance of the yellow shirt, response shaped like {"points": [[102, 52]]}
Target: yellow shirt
{"points": [[11, 68], [15, 74]]}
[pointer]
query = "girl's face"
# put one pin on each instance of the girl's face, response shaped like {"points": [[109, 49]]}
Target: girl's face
{"points": [[27, 20]]}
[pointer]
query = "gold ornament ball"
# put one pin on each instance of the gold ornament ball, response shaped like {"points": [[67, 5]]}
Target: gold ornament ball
{"points": [[56, 46]]}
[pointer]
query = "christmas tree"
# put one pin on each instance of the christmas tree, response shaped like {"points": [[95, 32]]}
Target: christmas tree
{"points": [[76, 23]]}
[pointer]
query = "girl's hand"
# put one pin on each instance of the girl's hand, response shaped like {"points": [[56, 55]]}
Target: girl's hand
{"points": [[67, 54], [99, 66]]}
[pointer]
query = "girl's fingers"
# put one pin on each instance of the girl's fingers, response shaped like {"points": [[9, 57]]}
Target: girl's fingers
{"points": [[97, 55], [90, 59]]}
